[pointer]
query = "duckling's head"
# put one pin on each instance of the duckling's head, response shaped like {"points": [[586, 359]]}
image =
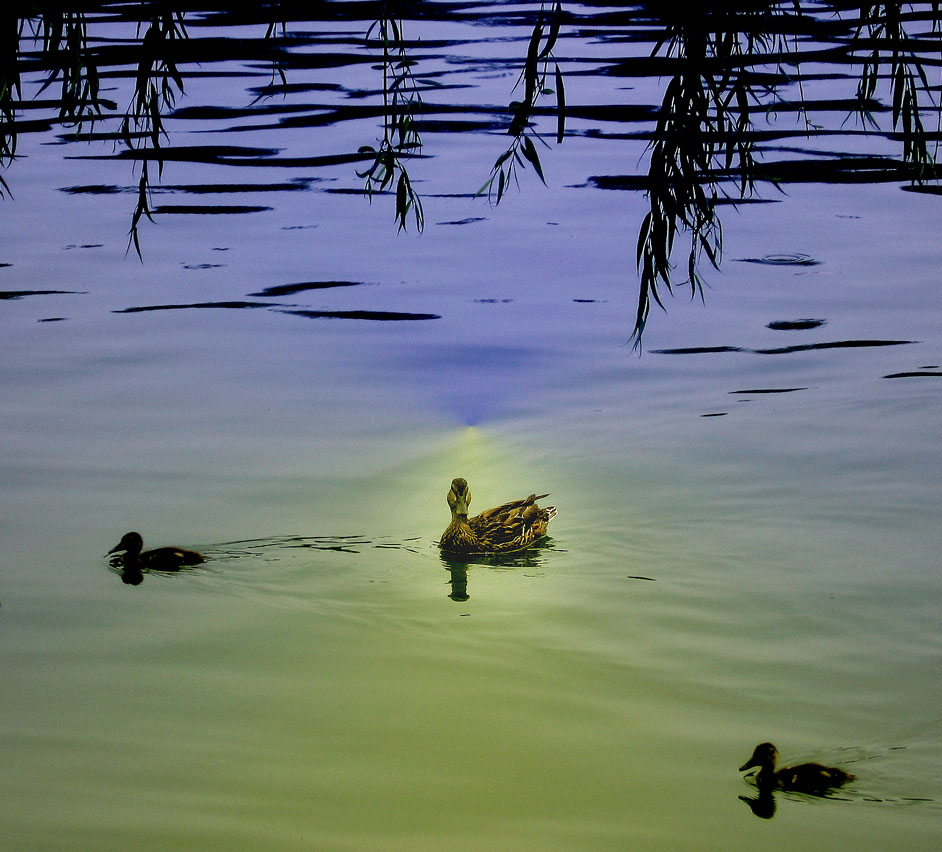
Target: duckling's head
{"points": [[765, 754], [130, 543], [459, 497]]}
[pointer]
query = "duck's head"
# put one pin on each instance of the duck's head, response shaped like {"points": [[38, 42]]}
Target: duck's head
{"points": [[459, 497], [130, 543], [765, 754]]}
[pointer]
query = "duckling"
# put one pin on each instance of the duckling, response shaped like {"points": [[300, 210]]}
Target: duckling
{"points": [[159, 559], [505, 528], [810, 778]]}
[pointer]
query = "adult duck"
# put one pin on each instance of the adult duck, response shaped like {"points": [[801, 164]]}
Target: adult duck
{"points": [[503, 529], [159, 559], [810, 778]]}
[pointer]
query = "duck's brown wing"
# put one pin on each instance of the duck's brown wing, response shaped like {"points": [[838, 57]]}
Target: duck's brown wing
{"points": [[509, 510], [506, 533], [513, 525]]}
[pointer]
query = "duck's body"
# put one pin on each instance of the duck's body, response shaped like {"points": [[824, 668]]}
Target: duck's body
{"points": [[503, 529], [158, 559], [810, 778]]}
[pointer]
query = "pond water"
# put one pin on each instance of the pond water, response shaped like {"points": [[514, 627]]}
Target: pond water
{"points": [[747, 541]]}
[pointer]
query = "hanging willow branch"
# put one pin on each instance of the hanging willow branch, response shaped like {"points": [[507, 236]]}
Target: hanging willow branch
{"points": [[157, 84], [702, 133], [401, 140], [534, 77], [702, 148], [883, 25]]}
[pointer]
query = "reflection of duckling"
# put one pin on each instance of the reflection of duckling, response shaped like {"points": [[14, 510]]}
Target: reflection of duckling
{"points": [[810, 778], [159, 559], [763, 805], [510, 526]]}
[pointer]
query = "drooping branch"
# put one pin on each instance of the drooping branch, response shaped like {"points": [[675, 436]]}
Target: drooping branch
{"points": [[535, 79]]}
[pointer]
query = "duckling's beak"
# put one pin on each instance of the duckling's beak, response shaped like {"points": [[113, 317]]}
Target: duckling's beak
{"points": [[114, 549], [749, 764]]}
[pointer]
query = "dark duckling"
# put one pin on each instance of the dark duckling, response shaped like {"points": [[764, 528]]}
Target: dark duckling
{"points": [[503, 529], [812, 778], [158, 559]]}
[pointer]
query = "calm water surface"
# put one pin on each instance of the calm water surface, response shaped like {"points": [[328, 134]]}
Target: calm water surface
{"points": [[747, 546]]}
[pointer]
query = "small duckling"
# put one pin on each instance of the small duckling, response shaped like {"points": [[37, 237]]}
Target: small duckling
{"points": [[812, 778], [158, 559], [503, 529]]}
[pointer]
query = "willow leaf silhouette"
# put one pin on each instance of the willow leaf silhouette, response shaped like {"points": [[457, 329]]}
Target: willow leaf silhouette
{"points": [[702, 150], [534, 78], [401, 141]]}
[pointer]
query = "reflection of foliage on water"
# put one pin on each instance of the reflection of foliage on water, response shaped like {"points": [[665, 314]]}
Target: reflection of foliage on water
{"points": [[67, 58], [887, 36], [704, 116], [65, 52], [704, 137], [725, 66], [157, 83], [401, 140], [65, 47], [9, 90], [533, 76]]}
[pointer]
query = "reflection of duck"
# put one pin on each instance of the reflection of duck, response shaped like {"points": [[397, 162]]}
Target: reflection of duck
{"points": [[458, 581], [159, 559], [810, 778], [763, 805], [505, 528]]}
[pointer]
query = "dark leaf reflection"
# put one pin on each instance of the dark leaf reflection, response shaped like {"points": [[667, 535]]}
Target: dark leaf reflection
{"points": [[19, 294], [783, 350], [740, 84]]}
